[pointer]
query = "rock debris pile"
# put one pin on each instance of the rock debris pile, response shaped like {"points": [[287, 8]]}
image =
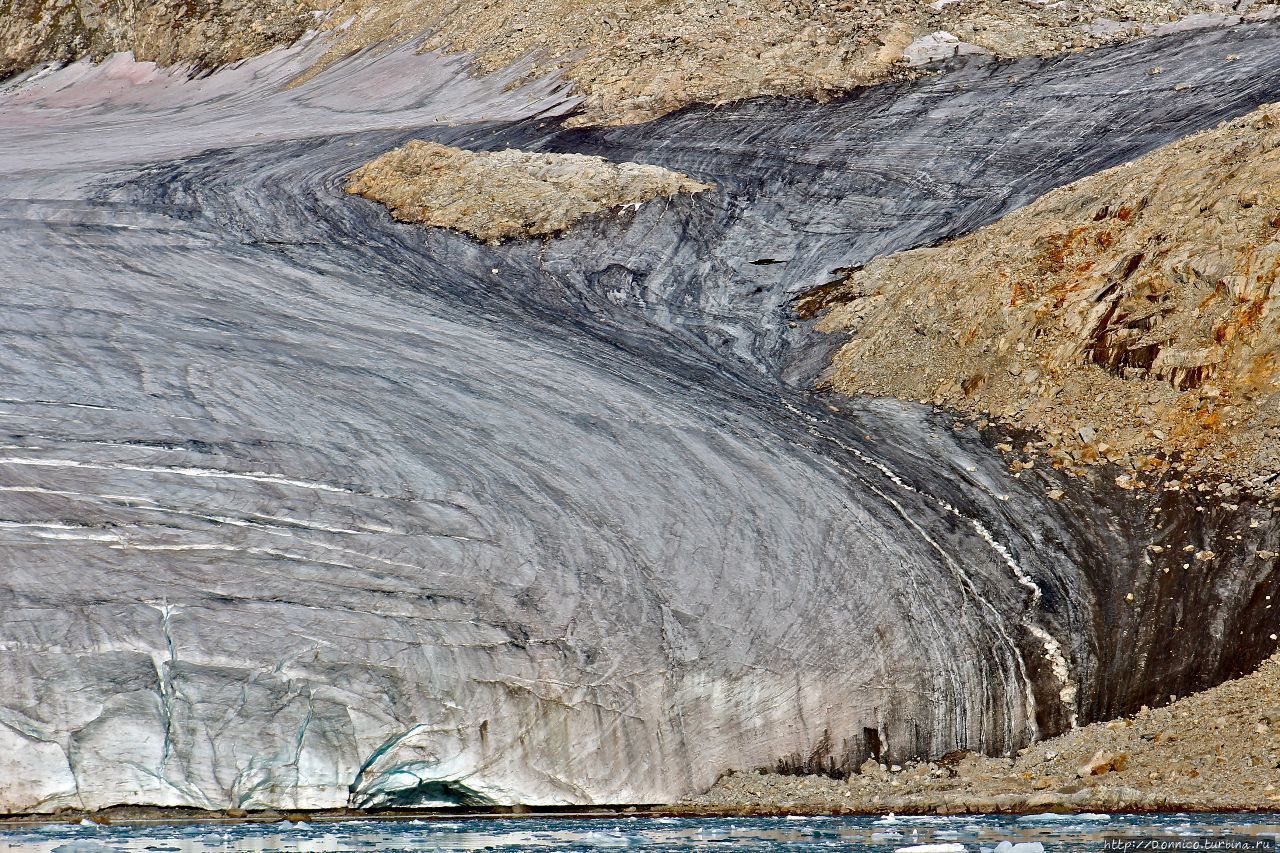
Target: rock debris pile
{"points": [[1215, 750], [499, 195]]}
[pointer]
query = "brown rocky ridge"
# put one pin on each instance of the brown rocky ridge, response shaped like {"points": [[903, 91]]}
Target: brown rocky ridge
{"points": [[495, 196], [631, 60], [1216, 750], [1129, 317]]}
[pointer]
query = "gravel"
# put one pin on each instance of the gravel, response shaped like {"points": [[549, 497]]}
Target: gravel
{"points": [[1211, 751]]}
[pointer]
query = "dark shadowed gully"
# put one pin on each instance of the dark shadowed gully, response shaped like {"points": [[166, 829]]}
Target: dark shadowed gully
{"points": [[303, 507]]}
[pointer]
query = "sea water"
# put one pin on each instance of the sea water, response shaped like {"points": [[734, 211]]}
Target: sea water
{"points": [[975, 834]]}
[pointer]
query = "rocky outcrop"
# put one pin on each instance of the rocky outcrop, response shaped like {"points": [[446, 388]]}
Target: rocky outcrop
{"points": [[1217, 750], [498, 195], [1129, 317]]}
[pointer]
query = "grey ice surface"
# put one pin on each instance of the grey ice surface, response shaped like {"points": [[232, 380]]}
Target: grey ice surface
{"points": [[301, 507]]}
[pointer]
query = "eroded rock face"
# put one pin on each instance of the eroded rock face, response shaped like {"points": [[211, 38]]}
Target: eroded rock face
{"points": [[498, 195], [1129, 316]]}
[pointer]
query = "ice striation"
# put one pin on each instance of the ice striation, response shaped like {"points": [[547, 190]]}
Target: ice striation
{"points": [[303, 507]]}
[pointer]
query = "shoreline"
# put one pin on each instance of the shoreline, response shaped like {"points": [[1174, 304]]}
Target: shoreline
{"points": [[124, 815], [183, 816]]}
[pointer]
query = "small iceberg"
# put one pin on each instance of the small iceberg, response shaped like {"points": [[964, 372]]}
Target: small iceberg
{"points": [[85, 847], [1058, 818], [1019, 847]]}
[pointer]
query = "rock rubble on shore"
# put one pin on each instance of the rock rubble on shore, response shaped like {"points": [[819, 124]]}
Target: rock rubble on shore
{"points": [[1216, 750]]}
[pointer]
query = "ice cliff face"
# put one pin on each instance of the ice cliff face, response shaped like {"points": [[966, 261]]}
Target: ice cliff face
{"points": [[303, 507]]}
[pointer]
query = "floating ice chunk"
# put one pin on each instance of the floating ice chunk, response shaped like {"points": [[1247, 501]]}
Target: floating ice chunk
{"points": [[603, 839], [933, 848], [85, 847], [1019, 847], [1059, 818]]}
